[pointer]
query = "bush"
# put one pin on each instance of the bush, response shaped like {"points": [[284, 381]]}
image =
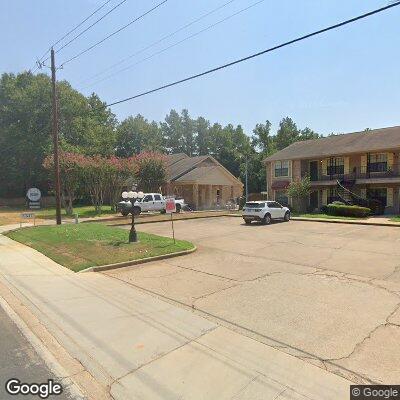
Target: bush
{"points": [[347, 211]]}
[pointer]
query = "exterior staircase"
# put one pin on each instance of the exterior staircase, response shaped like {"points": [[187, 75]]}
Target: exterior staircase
{"points": [[350, 198]]}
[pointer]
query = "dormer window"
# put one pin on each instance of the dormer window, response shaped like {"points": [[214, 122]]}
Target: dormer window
{"points": [[281, 169]]}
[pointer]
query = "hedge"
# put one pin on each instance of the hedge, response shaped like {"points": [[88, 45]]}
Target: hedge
{"points": [[347, 211]]}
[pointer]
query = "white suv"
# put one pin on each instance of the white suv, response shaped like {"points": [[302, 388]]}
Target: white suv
{"points": [[264, 211]]}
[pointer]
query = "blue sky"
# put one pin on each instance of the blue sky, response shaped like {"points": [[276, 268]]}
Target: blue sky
{"points": [[341, 81]]}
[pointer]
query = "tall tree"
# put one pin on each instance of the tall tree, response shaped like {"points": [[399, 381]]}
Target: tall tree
{"points": [[137, 134], [86, 126], [189, 134], [172, 131], [307, 134], [287, 133], [262, 139], [202, 136]]}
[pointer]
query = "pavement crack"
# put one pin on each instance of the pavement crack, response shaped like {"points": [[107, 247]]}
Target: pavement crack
{"points": [[194, 299], [367, 337], [201, 272]]}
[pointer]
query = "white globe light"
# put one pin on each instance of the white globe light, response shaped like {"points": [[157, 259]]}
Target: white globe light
{"points": [[124, 195], [131, 194], [140, 195]]}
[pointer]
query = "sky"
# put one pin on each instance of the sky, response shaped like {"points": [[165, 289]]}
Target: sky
{"points": [[341, 81]]}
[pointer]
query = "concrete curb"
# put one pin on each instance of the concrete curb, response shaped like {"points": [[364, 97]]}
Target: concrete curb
{"points": [[175, 220], [219, 213], [108, 267], [348, 222]]}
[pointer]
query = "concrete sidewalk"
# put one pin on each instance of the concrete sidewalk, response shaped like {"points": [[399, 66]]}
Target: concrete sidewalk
{"points": [[138, 346]]}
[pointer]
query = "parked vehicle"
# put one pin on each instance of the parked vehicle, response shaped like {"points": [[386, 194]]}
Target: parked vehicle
{"points": [[149, 202], [264, 211]]}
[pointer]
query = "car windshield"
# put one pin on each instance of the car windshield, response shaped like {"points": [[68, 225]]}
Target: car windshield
{"points": [[254, 205]]}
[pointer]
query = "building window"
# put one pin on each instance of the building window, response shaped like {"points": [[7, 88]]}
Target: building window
{"points": [[281, 197], [335, 166], [377, 162], [379, 194], [333, 195], [281, 168]]}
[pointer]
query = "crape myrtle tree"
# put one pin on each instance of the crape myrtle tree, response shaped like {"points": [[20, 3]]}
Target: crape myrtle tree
{"points": [[151, 171], [71, 176], [118, 172], [85, 126]]}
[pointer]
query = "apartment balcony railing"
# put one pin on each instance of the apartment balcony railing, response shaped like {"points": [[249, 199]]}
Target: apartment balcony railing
{"points": [[376, 170], [379, 170]]}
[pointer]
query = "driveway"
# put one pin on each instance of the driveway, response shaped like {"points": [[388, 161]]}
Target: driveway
{"points": [[326, 293]]}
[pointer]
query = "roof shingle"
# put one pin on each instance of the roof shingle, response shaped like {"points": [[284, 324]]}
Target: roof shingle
{"points": [[357, 142]]}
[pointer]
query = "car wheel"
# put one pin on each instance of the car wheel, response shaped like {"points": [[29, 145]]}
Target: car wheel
{"points": [[136, 210], [266, 220], [163, 211], [124, 213], [287, 216], [247, 221], [178, 208]]}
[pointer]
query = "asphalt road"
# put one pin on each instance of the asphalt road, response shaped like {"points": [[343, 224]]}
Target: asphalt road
{"points": [[18, 359]]}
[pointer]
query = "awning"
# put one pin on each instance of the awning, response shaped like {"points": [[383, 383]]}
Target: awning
{"points": [[280, 184]]}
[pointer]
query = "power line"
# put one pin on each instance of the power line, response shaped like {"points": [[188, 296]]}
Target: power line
{"points": [[177, 43], [89, 27], [72, 30], [279, 46], [114, 33], [160, 40]]}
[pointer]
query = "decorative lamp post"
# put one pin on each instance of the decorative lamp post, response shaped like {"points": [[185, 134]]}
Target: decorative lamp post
{"points": [[132, 197]]}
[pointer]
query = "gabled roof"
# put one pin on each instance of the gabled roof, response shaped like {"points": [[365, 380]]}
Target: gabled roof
{"points": [[357, 142], [184, 168], [173, 158]]}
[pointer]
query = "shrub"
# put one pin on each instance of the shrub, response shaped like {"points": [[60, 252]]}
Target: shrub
{"points": [[324, 209], [299, 190], [348, 211]]}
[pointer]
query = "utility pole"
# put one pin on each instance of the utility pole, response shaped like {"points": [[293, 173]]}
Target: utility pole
{"points": [[247, 188], [55, 140]]}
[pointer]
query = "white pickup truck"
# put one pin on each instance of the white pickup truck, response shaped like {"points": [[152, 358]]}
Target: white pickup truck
{"points": [[149, 202]]}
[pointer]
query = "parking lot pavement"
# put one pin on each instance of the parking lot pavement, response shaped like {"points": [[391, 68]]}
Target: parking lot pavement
{"points": [[327, 293]]}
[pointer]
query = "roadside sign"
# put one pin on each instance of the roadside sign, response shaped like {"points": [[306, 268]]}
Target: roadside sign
{"points": [[34, 195], [170, 206], [28, 215]]}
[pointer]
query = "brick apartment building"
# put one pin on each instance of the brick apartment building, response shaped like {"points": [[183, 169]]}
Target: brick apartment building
{"points": [[367, 163]]}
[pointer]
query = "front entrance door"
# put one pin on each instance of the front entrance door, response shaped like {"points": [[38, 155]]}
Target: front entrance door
{"points": [[314, 200], [314, 170]]}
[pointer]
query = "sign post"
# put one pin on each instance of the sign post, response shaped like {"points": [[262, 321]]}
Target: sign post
{"points": [[28, 215], [170, 207]]}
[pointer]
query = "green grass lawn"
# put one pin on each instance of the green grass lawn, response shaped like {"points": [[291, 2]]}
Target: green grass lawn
{"points": [[82, 211], [395, 219], [325, 216], [86, 245]]}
